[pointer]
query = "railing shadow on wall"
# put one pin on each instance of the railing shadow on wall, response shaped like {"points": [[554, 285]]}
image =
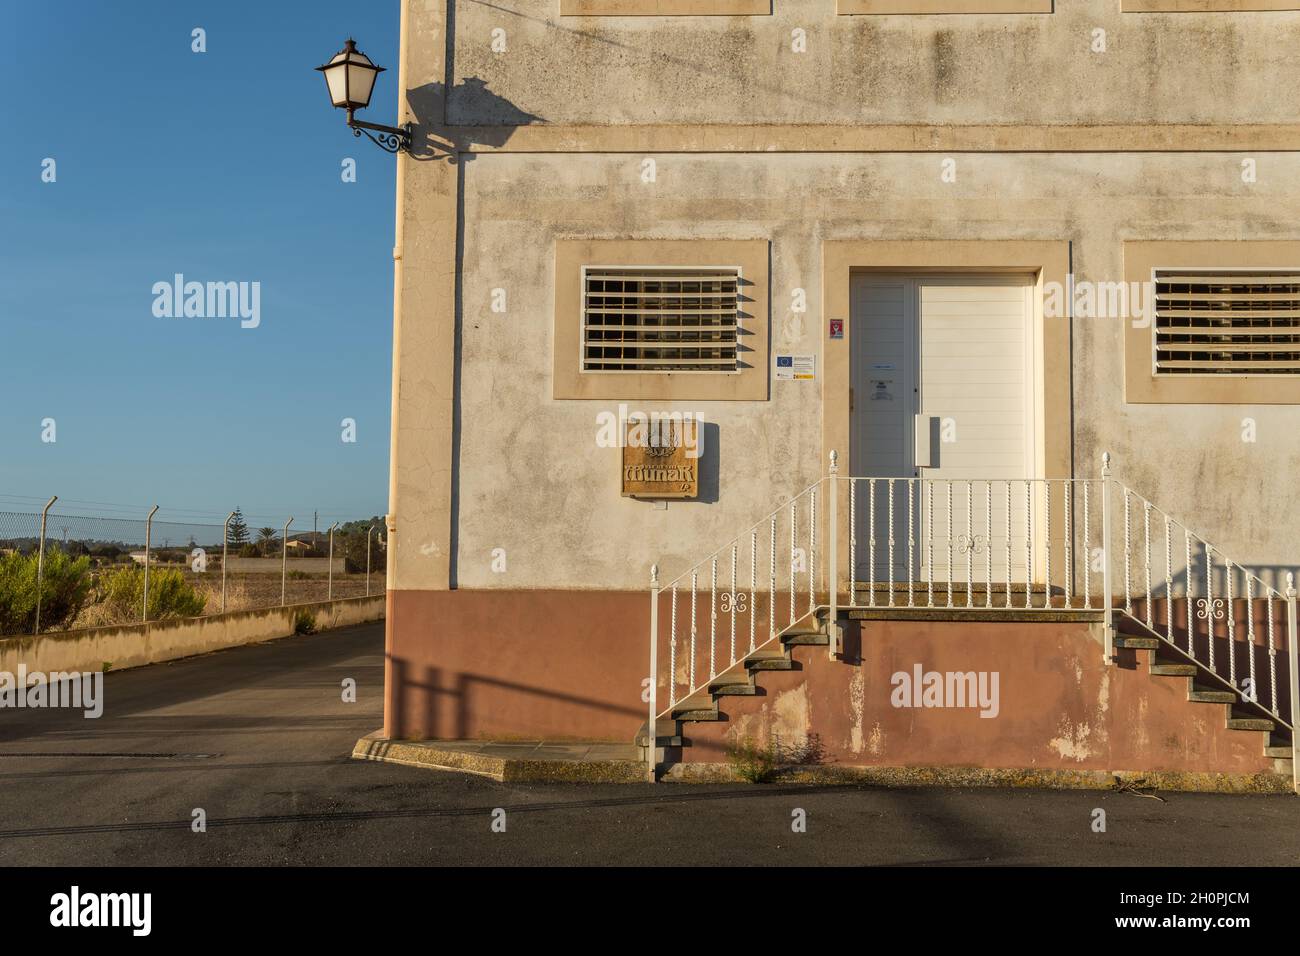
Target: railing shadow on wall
{"points": [[461, 687]]}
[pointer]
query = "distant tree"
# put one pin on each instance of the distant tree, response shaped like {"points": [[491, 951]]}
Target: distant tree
{"points": [[238, 533], [266, 539]]}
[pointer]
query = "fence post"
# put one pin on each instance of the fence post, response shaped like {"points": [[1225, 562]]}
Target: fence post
{"points": [[1107, 599], [1293, 655], [369, 532], [284, 559], [225, 539], [148, 540], [651, 734], [40, 564], [833, 624], [329, 590]]}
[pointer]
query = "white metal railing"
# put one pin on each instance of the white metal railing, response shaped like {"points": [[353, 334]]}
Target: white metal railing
{"points": [[1220, 614], [970, 545], [739, 599]]}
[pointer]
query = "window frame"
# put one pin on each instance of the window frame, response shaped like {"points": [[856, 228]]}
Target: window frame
{"points": [[915, 8], [665, 8], [749, 382], [1208, 6], [1142, 385]]}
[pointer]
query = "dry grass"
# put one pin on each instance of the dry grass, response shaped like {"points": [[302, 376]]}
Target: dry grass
{"points": [[244, 592]]}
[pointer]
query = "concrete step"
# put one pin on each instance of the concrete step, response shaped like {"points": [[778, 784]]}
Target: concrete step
{"points": [[733, 689], [666, 740], [1167, 669], [697, 715], [962, 613], [805, 639], [1140, 643], [1278, 753], [1208, 695], [770, 662], [1238, 722]]}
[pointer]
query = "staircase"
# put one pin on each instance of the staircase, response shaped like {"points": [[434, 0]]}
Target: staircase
{"points": [[745, 680], [717, 619], [1205, 687]]}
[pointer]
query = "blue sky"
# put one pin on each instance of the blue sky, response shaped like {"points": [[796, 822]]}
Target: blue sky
{"points": [[223, 166]]}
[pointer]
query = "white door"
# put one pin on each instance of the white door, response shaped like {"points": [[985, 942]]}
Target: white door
{"points": [[942, 378]]}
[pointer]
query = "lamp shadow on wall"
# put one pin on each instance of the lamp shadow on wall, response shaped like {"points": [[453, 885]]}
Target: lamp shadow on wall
{"points": [[434, 139]]}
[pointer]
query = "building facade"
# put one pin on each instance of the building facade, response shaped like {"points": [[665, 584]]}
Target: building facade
{"points": [[960, 243]]}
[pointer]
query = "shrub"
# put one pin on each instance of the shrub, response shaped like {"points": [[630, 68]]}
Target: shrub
{"points": [[65, 588], [249, 550], [754, 762], [761, 763], [122, 590], [304, 622]]}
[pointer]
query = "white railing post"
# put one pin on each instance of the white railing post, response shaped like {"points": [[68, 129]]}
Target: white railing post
{"points": [[651, 736], [1107, 597], [1293, 650], [833, 622]]}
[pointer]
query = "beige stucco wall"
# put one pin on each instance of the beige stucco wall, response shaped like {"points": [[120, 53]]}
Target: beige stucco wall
{"points": [[511, 468], [535, 484], [1014, 68]]}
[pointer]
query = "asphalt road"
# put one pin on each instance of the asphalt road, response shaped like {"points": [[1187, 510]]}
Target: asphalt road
{"points": [[259, 738]]}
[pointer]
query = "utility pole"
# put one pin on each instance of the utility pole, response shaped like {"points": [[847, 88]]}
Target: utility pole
{"points": [[314, 515]]}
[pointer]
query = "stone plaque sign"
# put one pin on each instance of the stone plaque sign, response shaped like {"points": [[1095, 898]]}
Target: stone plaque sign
{"points": [[661, 460]]}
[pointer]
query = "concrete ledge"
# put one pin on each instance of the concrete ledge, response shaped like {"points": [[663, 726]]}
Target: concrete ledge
{"points": [[599, 762], [1046, 779], [512, 761], [134, 645]]}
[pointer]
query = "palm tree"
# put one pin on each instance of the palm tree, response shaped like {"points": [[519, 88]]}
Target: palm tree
{"points": [[266, 539]]}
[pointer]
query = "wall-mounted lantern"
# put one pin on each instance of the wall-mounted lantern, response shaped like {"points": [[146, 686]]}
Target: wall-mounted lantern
{"points": [[350, 79]]}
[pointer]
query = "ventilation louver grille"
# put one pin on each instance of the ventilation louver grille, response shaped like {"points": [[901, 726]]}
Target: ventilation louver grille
{"points": [[639, 319], [1227, 322]]}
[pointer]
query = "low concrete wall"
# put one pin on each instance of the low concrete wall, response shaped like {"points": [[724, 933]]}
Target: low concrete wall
{"points": [[135, 645]]}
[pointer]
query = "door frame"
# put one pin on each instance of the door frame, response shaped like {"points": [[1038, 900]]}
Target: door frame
{"points": [[1048, 261], [913, 315]]}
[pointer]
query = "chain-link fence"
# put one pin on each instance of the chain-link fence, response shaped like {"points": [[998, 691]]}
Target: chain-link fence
{"points": [[61, 571]]}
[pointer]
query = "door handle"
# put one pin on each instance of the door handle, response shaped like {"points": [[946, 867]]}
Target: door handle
{"points": [[926, 441]]}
